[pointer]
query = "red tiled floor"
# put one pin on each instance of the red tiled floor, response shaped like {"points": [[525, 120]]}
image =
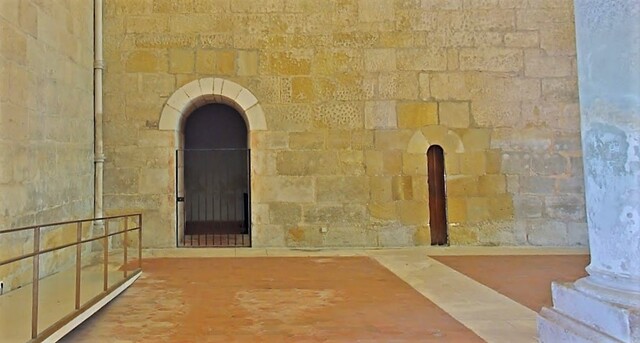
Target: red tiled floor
{"points": [[290, 299], [523, 278]]}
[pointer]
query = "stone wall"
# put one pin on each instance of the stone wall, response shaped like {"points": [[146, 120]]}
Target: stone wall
{"points": [[46, 127], [354, 92]]}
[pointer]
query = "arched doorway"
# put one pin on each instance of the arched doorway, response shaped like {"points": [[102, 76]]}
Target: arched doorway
{"points": [[216, 178], [437, 196]]}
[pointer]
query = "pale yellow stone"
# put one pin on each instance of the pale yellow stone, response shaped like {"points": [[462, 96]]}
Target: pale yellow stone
{"points": [[383, 210], [540, 64], [215, 62], [307, 163], [392, 139], [342, 189], [413, 212], [492, 59], [473, 163], [302, 89], [181, 61], [454, 114], [247, 62], [374, 162], [380, 60], [375, 10], [380, 115], [285, 213], [381, 189], [392, 163], [287, 63], [417, 114], [306, 140], [463, 235], [492, 184], [402, 188], [414, 164], [522, 39], [476, 139], [145, 62], [456, 209], [422, 59], [338, 139], [291, 189], [402, 85]]}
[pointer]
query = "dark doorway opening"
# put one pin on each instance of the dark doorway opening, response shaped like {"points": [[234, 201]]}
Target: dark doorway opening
{"points": [[437, 196], [216, 178]]}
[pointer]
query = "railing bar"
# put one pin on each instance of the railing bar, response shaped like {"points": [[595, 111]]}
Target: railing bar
{"points": [[68, 318], [140, 241], [126, 226], [35, 283], [78, 263], [105, 269], [22, 257], [66, 222]]}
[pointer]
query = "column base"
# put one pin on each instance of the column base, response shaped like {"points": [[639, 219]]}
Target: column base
{"points": [[581, 316]]}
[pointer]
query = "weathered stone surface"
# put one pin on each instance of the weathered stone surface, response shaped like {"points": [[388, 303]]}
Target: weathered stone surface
{"points": [[417, 115], [342, 189], [454, 114], [352, 97]]}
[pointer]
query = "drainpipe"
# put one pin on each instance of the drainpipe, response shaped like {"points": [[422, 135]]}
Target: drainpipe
{"points": [[98, 67]]}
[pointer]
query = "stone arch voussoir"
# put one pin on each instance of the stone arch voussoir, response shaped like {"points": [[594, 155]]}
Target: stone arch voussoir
{"points": [[209, 90], [435, 135]]}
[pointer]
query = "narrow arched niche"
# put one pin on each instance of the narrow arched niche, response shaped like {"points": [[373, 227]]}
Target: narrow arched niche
{"points": [[437, 196]]}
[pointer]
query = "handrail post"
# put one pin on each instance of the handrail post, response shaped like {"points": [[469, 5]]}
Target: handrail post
{"points": [[140, 240], [106, 256], [78, 262], [126, 228], [35, 283]]}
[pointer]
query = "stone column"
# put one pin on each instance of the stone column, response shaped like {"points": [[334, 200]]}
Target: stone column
{"points": [[605, 306]]}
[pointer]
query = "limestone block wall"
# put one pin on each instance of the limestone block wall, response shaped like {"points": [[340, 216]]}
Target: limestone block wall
{"points": [[354, 92], [46, 128]]}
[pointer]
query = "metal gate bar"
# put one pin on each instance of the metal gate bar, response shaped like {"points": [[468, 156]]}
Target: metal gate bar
{"points": [[216, 197]]}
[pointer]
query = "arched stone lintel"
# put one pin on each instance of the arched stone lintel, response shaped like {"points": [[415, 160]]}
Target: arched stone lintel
{"points": [[209, 90], [434, 135]]}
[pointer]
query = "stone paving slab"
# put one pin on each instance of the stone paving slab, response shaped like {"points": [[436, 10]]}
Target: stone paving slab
{"points": [[525, 278]]}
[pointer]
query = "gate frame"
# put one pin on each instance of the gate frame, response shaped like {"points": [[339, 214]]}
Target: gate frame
{"points": [[196, 94]]}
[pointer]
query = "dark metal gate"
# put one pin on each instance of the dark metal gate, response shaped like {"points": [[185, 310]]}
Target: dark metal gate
{"points": [[216, 197]]}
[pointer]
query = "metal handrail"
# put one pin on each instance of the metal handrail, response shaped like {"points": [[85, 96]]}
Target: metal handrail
{"points": [[37, 251]]}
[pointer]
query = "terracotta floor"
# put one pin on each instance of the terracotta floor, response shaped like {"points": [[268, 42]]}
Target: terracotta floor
{"points": [[270, 299], [525, 278]]}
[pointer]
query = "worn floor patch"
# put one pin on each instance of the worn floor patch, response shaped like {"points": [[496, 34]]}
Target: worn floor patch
{"points": [[270, 299]]}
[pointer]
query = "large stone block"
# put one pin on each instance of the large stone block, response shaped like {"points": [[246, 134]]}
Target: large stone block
{"points": [[491, 59], [380, 60], [342, 189], [396, 236], [285, 213], [335, 214], [380, 115], [454, 114], [539, 64], [307, 163], [306, 140], [146, 62], [283, 189], [392, 139], [415, 115], [402, 187], [413, 212], [383, 210]]}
